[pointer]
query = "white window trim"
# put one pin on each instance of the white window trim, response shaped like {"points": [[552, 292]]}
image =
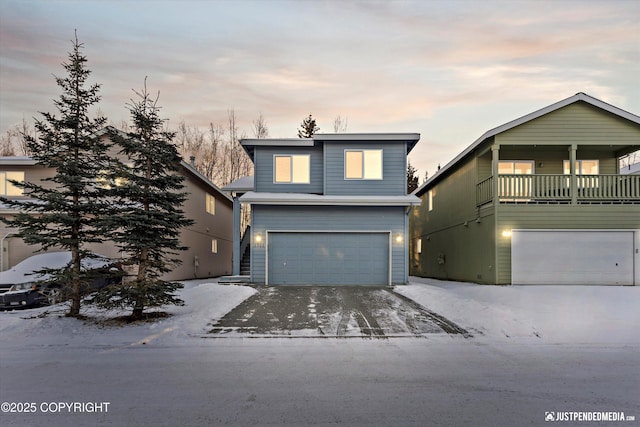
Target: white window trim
{"points": [[531, 162], [579, 166], [585, 180], [291, 181], [352, 150]]}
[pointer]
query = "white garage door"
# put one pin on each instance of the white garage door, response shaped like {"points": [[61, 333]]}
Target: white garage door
{"points": [[572, 257]]}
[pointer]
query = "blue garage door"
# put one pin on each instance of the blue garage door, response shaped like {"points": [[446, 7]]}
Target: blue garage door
{"points": [[328, 258]]}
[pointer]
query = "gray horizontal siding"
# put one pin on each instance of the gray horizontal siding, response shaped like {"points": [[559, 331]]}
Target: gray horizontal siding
{"points": [[394, 182], [264, 170], [326, 218]]}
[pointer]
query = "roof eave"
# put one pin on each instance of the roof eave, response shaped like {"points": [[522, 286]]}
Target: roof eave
{"points": [[293, 199], [580, 96]]}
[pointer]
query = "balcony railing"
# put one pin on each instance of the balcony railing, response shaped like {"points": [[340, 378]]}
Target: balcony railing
{"points": [[557, 188]]}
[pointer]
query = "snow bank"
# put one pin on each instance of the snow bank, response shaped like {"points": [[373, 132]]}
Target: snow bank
{"points": [[205, 301], [588, 315], [552, 314]]}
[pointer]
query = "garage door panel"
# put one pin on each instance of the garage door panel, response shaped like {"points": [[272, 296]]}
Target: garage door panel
{"points": [[572, 257], [328, 258]]}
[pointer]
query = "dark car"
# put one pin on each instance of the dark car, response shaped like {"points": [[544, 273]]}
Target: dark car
{"points": [[28, 288]]}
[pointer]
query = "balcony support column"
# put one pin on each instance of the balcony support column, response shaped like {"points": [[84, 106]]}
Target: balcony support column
{"points": [[495, 171], [573, 149]]}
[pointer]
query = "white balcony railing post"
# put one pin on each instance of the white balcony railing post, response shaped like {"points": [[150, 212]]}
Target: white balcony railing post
{"points": [[559, 188]]}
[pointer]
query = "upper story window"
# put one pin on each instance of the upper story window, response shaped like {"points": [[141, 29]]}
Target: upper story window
{"points": [[363, 164], [513, 188], [291, 169], [583, 167], [210, 204], [6, 187], [515, 167], [430, 200]]}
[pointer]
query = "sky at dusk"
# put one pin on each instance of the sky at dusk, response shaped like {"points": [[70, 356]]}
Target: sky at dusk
{"points": [[449, 70]]}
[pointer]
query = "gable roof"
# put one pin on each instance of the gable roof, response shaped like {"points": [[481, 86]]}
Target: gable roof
{"points": [[410, 138], [186, 166], [580, 96], [29, 161]]}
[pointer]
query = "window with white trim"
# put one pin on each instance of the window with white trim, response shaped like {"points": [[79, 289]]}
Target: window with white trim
{"points": [[363, 164], [291, 169], [9, 189], [210, 204], [514, 186], [584, 168]]}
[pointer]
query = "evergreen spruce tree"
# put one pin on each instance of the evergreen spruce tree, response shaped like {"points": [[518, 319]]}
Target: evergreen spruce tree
{"points": [[308, 128], [147, 218], [412, 178], [63, 211]]}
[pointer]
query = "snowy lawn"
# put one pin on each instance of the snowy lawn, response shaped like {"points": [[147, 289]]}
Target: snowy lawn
{"points": [[535, 350], [552, 314]]}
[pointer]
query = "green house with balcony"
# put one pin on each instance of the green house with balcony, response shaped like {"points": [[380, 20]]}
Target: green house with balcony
{"points": [[539, 200]]}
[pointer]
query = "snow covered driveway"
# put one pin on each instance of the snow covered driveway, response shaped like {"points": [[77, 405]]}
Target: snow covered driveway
{"points": [[534, 351], [323, 311]]}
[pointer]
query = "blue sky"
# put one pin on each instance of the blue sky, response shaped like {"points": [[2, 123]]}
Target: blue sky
{"points": [[449, 70]]}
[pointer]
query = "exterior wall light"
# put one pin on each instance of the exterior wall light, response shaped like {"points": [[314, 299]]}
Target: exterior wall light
{"points": [[399, 238], [257, 240], [506, 233]]}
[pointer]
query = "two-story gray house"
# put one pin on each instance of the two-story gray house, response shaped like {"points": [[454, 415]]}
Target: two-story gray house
{"points": [[330, 210]]}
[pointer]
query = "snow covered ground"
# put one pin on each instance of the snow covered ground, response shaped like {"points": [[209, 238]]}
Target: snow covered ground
{"points": [[535, 350]]}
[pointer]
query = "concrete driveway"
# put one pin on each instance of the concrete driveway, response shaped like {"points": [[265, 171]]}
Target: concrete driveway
{"points": [[309, 311]]}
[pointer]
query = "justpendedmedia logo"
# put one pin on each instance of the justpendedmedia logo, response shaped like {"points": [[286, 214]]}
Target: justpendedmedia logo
{"points": [[595, 416]]}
